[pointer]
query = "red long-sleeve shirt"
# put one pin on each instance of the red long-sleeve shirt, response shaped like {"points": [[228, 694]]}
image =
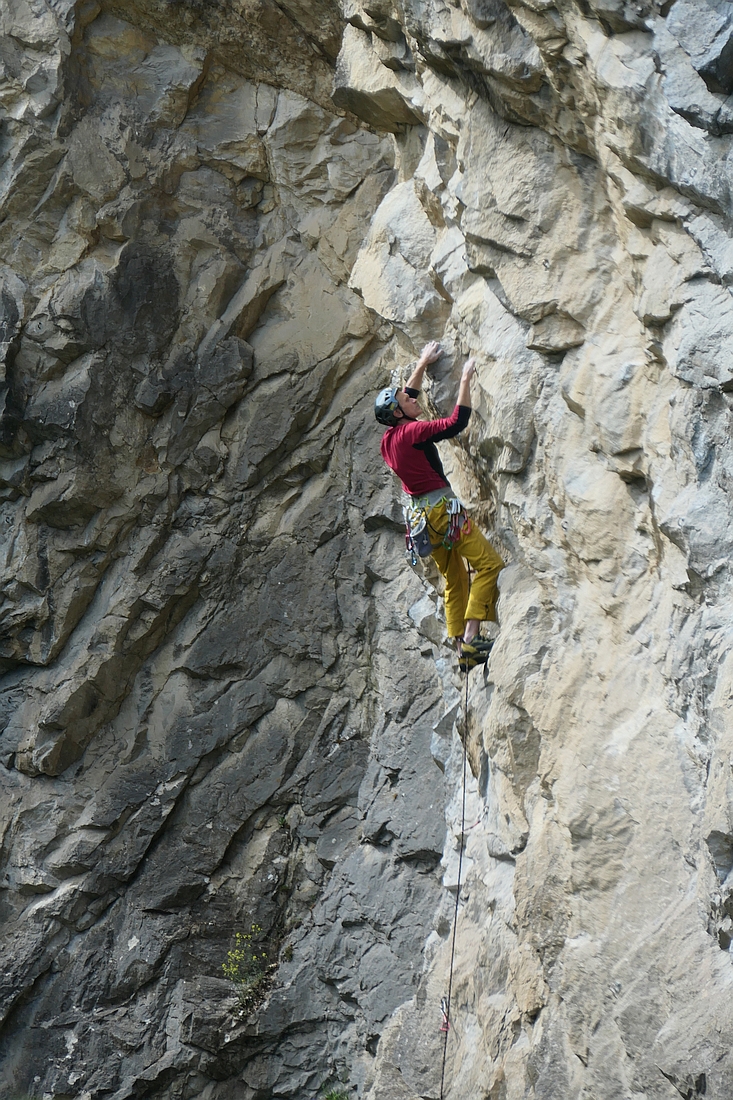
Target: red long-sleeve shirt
{"points": [[409, 449]]}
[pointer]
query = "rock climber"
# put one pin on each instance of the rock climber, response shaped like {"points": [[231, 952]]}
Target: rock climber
{"points": [[408, 448]]}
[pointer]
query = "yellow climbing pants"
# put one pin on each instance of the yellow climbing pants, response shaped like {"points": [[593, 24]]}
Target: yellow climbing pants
{"points": [[460, 605]]}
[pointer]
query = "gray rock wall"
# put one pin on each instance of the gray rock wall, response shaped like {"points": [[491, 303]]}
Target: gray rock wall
{"points": [[226, 698], [207, 699]]}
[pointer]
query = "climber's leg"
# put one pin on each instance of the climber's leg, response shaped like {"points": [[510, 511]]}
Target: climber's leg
{"points": [[454, 571], [481, 555]]}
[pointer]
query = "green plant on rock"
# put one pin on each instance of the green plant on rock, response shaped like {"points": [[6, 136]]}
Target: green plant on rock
{"points": [[336, 1094], [247, 964]]}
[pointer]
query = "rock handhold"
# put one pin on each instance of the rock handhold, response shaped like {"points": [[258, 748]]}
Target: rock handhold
{"points": [[557, 332], [704, 29], [373, 91]]}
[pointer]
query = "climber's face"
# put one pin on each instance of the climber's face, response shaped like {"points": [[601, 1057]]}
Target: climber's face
{"points": [[409, 405]]}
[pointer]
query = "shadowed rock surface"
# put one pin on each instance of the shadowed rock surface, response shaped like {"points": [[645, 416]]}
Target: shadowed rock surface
{"points": [[226, 699]]}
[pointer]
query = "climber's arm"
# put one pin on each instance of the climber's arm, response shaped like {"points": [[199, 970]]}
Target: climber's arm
{"points": [[429, 354], [421, 432], [464, 389]]}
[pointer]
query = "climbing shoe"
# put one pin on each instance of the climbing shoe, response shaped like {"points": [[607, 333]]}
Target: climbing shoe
{"points": [[473, 653]]}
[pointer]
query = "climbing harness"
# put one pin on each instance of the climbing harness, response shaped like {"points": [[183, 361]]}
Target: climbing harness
{"points": [[445, 1003], [418, 526]]}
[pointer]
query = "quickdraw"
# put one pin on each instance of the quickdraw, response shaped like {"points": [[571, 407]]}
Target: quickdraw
{"points": [[457, 520], [417, 534], [445, 1012]]}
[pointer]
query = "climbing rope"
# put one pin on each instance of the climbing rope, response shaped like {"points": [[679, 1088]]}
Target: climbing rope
{"points": [[445, 1003]]}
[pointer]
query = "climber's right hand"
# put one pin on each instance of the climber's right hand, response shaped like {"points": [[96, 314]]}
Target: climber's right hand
{"points": [[469, 369], [431, 352]]}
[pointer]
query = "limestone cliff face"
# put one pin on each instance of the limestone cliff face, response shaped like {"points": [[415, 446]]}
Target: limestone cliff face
{"points": [[226, 698]]}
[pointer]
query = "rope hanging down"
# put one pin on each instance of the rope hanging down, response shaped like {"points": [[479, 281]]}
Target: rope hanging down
{"points": [[445, 1003]]}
